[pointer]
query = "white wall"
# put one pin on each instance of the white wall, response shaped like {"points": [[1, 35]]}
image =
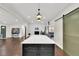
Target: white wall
{"points": [[22, 30], [9, 29], [58, 33], [33, 26]]}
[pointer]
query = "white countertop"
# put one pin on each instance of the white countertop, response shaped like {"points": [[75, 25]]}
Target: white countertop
{"points": [[38, 39]]}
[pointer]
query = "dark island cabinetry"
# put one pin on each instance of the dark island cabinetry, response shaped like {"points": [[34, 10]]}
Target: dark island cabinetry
{"points": [[38, 49]]}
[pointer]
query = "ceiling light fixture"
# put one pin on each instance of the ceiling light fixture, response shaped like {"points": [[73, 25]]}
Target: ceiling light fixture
{"points": [[28, 17], [16, 20], [39, 16]]}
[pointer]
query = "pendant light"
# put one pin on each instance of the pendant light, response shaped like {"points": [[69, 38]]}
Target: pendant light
{"points": [[39, 16]]}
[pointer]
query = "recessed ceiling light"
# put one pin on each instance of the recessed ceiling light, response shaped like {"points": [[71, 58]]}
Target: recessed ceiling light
{"points": [[28, 17], [16, 20], [44, 17], [32, 21]]}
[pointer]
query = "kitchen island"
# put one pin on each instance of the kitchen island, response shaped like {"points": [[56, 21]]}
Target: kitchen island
{"points": [[38, 45]]}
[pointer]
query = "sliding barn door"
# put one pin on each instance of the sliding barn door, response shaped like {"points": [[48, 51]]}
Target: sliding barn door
{"points": [[71, 33]]}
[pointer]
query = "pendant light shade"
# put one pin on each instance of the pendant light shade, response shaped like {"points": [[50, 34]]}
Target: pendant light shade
{"points": [[39, 16]]}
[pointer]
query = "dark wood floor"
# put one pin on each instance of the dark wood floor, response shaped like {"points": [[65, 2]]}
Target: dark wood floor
{"points": [[12, 47], [58, 51]]}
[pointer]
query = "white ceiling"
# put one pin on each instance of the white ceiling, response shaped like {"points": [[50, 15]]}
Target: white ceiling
{"points": [[20, 13]]}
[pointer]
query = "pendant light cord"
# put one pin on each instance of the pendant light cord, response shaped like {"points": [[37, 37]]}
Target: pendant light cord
{"points": [[38, 5]]}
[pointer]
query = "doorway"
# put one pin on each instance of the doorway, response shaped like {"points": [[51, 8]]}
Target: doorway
{"points": [[3, 31]]}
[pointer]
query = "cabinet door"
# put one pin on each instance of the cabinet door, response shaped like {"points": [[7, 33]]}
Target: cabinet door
{"points": [[71, 33], [46, 50], [30, 50]]}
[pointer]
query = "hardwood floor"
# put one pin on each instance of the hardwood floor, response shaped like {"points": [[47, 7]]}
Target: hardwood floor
{"points": [[58, 51], [12, 47]]}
